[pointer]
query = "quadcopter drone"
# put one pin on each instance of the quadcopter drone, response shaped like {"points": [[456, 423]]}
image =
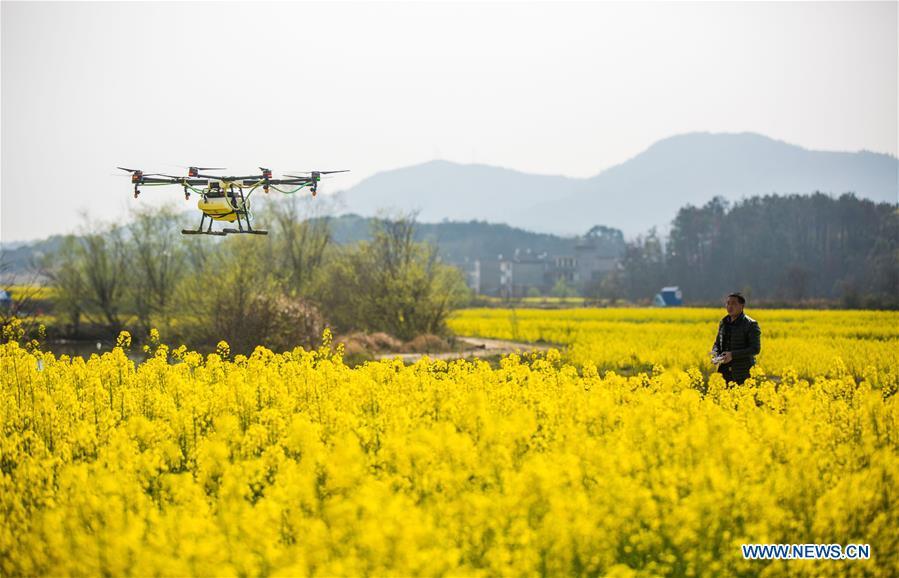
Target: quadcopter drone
{"points": [[226, 198]]}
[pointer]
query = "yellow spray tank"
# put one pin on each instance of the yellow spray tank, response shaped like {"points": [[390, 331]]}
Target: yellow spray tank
{"points": [[220, 205]]}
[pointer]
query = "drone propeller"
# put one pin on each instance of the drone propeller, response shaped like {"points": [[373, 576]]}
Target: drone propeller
{"points": [[142, 174], [200, 168], [195, 171], [139, 172], [315, 176], [137, 175], [311, 180], [314, 173]]}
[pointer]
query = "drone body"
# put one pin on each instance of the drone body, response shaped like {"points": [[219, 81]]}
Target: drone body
{"points": [[226, 198]]}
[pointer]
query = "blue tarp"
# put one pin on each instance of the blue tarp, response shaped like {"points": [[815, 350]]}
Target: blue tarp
{"points": [[669, 296]]}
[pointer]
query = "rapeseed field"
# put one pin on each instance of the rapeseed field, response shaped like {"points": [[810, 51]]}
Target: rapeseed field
{"points": [[582, 462], [809, 343]]}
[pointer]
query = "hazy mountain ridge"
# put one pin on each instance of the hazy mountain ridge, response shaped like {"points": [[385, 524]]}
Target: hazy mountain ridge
{"points": [[19, 261], [444, 190], [642, 192]]}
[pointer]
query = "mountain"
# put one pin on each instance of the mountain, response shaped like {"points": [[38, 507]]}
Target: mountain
{"points": [[20, 261], [443, 190], [640, 193]]}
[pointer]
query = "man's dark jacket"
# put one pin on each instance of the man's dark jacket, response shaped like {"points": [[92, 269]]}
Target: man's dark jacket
{"points": [[743, 338]]}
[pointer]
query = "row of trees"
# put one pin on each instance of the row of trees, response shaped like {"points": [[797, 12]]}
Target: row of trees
{"points": [[786, 249], [278, 291]]}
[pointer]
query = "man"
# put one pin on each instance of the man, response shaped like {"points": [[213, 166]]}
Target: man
{"points": [[738, 341]]}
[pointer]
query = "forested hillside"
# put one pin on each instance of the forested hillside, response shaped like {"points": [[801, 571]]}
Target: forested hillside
{"points": [[776, 248]]}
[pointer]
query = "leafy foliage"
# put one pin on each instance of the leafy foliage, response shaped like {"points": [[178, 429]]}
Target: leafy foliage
{"points": [[390, 284], [788, 248], [279, 292]]}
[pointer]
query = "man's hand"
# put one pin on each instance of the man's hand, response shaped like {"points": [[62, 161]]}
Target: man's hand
{"points": [[728, 357]]}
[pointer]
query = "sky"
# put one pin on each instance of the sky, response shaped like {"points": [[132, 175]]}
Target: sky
{"points": [[548, 88]]}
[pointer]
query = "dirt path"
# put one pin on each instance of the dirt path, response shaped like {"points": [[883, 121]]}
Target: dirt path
{"points": [[473, 347]]}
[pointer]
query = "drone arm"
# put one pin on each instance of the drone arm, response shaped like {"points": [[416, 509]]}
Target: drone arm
{"points": [[296, 190], [298, 181], [170, 181], [188, 184], [191, 188]]}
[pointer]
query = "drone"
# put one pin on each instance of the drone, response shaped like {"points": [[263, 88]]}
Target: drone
{"points": [[226, 198]]}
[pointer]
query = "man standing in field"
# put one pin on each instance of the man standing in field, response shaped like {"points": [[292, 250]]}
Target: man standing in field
{"points": [[738, 341]]}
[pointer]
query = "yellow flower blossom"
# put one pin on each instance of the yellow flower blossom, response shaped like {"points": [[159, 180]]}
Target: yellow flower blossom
{"points": [[573, 462]]}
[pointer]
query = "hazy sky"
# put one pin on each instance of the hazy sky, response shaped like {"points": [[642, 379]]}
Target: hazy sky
{"points": [[540, 87]]}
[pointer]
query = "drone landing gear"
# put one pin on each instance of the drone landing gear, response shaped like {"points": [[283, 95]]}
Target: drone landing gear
{"points": [[195, 232], [199, 230], [249, 230], [245, 232], [240, 225]]}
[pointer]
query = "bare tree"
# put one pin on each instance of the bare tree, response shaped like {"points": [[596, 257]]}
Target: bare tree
{"points": [[302, 232], [157, 260], [64, 270], [105, 273], [92, 271]]}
